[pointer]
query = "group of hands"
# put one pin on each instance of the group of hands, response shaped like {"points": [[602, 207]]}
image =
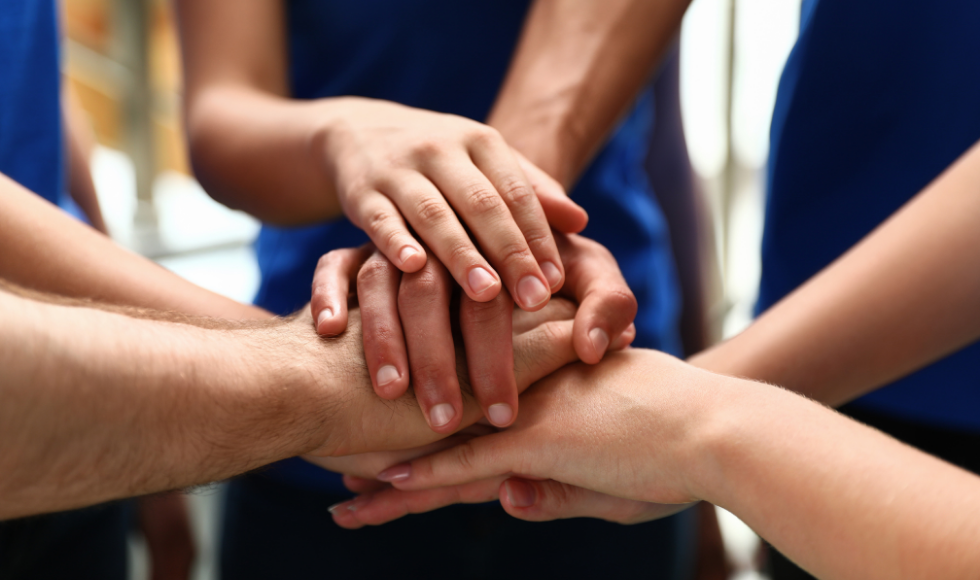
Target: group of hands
{"points": [[435, 311]]}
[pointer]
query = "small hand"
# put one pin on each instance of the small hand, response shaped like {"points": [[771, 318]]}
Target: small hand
{"points": [[443, 173]]}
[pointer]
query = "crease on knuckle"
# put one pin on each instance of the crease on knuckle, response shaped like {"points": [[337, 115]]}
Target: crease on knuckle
{"points": [[513, 253], [431, 209], [483, 201], [373, 271], [426, 282], [517, 193], [481, 135]]}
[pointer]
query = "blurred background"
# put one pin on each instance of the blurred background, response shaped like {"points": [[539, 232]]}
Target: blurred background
{"points": [[122, 66]]}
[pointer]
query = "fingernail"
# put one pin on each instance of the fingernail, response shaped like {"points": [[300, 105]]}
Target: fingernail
{"points": [[358, 502], [531, 291], [325, 314], [441, 414], [387, 374], [480, 280], [396, 473], [520, 494], [600, 340], [406, 253], [337, 507], [500, 414], [551, 273]]}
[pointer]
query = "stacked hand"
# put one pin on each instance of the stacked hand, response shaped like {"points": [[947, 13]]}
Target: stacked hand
{"points": [[584, 445], [408, 334]]}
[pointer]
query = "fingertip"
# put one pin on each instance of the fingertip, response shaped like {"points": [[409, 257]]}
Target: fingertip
{"points": [[329, 323], [532, 293], [552, 274], [389, 382], [482, 285], [501, 414], [625, 339], [519, 494], [411, 258]]}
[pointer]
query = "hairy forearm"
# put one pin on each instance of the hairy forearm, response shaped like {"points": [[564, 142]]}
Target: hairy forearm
{"points": [[577, 68], [46, 250], [839, 498], [902, 298], [97, 405]]}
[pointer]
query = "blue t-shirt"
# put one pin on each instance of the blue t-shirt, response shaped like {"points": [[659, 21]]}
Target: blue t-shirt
{"points": [[451, 56], [31, 148], [878, 97]]}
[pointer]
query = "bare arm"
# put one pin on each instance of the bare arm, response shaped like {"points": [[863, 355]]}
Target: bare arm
{"points": [[109, 402], [578, 67], [80, 144], [839, 498], [46, 250], [386, 166], [902, 298], [97, 405]]}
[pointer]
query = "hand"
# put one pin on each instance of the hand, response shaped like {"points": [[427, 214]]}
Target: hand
{"points": [[391, 164], [607, 428], [392, 302], [365, 423]]}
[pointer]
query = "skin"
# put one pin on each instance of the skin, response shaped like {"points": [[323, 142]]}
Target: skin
{"points": [[421, 302], [80, 143], [575, 72], [110, 402], [692, 435], [383, 165], [902, 298], [46, 250]]}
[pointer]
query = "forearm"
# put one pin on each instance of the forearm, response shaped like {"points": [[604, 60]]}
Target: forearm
{"points": [[578, 67], [98, 405], [902, 298], [263, 153], [80, 143], [837, 497], [46, 250]]}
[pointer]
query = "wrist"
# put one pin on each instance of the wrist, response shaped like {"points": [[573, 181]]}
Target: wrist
{"points": [[543, 134]]}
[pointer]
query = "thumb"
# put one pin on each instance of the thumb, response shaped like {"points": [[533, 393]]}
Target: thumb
{"points": [[331, 286], [542, 350]]}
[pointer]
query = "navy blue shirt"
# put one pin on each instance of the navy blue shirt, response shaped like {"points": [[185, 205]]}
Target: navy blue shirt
{"points": [[31, 148], [878, 97], [451, 56]]}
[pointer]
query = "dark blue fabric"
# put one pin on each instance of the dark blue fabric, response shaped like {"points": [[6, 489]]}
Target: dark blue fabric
{"points": [[877, 98], [274, 530], [452, 56], [31, 150]]}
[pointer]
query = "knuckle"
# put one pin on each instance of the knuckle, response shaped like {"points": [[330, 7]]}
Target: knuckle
{"points": [[484, 135], [621, 299], [373, 271], [513, 253], [426, 282], [484, 201], [378, 220], [516, 192], [484, 314], [432, 209], [536, 236], [428, 148]]}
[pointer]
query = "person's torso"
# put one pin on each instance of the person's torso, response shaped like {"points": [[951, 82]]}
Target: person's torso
{"points": [[451, 57], [877, 98], [31, 149]]}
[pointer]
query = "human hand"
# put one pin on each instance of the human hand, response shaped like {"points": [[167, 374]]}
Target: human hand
{"points": [[440, 173], [406, 325], [603, 441], [365, 423]]}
